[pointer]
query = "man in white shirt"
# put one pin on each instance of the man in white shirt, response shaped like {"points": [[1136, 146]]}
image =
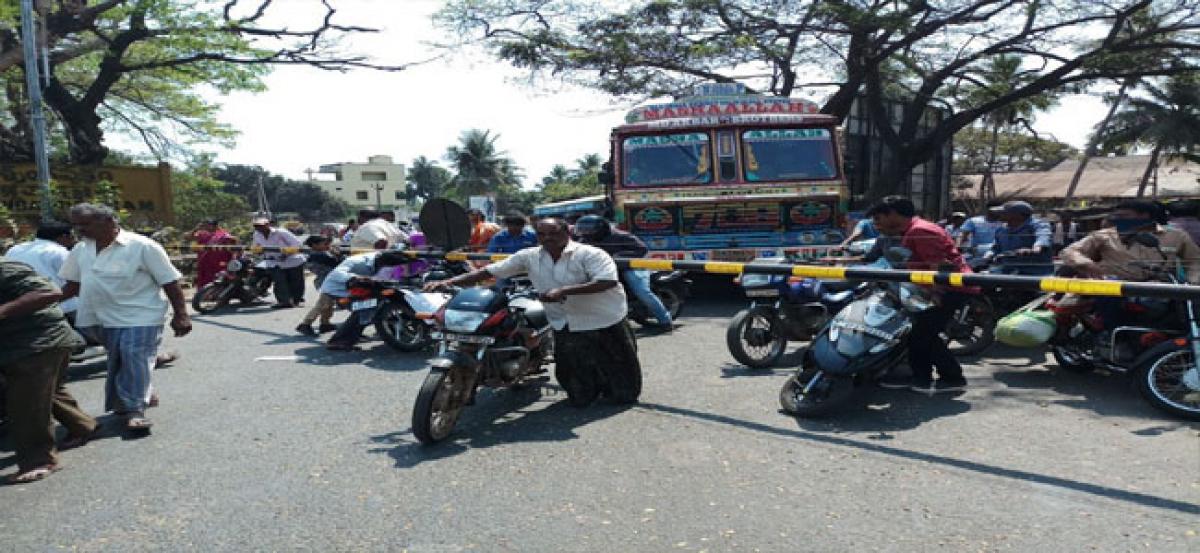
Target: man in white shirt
{"points": [[287, 267], [120, 278], [46, 255], [594, 349], [375, 233]]}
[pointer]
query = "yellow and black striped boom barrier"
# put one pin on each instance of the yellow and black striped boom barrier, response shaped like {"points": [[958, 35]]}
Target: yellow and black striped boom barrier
{"points": [[1085, 287]]}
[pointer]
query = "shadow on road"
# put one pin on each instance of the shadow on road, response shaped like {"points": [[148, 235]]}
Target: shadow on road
{"points": [[500, 417], [1142, 499]]}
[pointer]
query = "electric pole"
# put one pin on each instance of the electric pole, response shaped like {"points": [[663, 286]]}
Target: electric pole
{"points": [[37, 118]]}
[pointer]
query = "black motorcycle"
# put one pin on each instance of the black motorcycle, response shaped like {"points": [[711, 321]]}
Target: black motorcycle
{"points": [[671, 287], [243, 280], [392, 307], [488, 338], [781, 309]]}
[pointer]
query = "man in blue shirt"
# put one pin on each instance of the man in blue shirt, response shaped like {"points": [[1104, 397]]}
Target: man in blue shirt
{"points": [[515, 237], [1027, 239], [979, 232], [863, 230]]}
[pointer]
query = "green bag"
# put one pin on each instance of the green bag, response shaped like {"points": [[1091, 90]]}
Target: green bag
{"points": [[1027, 327]]}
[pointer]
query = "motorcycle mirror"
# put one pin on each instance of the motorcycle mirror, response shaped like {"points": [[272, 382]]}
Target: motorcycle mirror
{"points": [[445, 224], [896, 254], [1146, 239]]}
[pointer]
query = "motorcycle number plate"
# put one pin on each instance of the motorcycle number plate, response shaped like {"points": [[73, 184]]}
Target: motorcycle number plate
{"points": [[364, 304], [762, 293], [467, 338]]}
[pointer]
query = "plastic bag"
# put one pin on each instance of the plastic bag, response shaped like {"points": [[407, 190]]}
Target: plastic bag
{"points": [[1028, 326]]}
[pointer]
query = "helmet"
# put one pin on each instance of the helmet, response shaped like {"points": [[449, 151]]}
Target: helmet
{"points": [[590, 228]]}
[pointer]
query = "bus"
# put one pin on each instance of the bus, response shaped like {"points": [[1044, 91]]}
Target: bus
{"points": [[728, 176]]}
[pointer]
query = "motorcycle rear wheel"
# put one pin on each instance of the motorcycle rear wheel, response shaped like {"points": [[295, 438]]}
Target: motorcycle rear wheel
{"points": [[1162, 382], [436, 411], [976, 331], [755, 337], [400, 331], [209, 298], [828, 394], [641, 314]]}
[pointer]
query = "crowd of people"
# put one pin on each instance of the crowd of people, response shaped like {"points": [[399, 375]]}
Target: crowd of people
{"points": [[116, 288]]}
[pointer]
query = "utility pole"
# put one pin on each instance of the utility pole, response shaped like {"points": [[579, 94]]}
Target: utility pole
{"points": [[37, 118]]}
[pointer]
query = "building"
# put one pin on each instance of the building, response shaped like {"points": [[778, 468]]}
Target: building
{"points": [[868, 160], [378, 183], [1106, 180]]}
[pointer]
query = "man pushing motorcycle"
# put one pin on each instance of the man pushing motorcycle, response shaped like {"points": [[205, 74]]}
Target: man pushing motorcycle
{"points": [[595, 350], [595, 230]]}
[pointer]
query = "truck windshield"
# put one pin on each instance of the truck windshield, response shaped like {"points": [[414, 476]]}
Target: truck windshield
{"points": [[788, 154], [666, 160]]}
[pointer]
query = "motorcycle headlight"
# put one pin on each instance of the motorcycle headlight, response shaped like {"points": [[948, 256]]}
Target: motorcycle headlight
{"points": [[914, 298], [464, 321], [233, 265]]}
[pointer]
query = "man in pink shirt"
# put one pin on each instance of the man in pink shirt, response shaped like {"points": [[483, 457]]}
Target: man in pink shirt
{"points": [[932, 250]]}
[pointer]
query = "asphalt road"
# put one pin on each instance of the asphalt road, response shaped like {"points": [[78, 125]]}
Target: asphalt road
{"points": [[265, 441]]}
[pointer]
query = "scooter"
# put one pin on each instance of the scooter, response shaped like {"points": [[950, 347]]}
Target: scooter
{"points": [[857, 347], [1158, 349]]}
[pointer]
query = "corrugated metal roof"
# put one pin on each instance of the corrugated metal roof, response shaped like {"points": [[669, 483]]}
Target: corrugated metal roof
{"points": [[1105, 177]]}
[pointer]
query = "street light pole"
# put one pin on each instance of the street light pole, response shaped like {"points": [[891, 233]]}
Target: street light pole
{"points": [[37, 118]]}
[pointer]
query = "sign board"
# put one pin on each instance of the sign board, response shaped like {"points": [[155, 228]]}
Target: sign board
{"points": [[145, 191], [700, 106], [486, 204]]}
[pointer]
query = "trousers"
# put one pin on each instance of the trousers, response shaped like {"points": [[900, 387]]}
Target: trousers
{"points": [[639, 284], [30, 390], [289, 284], [131, 359], [927, 350]]}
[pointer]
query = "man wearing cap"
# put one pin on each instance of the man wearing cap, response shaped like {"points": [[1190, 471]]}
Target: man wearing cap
{"points": [[287, 269], [979, 232], [954, 224], [1024, 243]]}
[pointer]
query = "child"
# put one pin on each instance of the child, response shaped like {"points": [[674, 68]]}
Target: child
{"points": [[321, 261]]}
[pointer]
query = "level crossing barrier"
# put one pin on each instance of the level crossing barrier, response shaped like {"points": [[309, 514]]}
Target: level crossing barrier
{"points": [[1085, 287]]}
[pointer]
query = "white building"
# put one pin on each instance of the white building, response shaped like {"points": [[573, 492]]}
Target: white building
{"points": [[378, 183]]}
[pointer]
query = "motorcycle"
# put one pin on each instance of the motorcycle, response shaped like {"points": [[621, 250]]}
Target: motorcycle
{"points": [[971, 330], [671, 287], [488, 338], [858, 346], [1158, 349], [392, 307], [782, 309], [242, 279]]}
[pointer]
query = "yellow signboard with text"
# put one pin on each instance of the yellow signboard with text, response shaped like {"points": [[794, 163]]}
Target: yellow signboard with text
{"points": [[145, 191]]}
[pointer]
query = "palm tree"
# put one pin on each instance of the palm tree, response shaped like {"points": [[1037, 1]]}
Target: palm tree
{"points": [[558, 173], [480, 167], [589, 164], [1002, 75], [1167, 121], [426, 179]]}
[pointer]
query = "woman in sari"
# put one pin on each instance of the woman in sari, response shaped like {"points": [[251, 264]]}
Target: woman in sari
{"points": [[210, 262]]}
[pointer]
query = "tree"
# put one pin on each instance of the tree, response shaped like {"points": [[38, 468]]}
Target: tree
{"points": [[198, 197], [311, 202], [928, 54], [1015, 151], [427, 180], [999, 77], [138, 66], [1167, 121], [566, 184], [558, 174], [480, 168]]}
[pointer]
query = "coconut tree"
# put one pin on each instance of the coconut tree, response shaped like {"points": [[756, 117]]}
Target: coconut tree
{"points": [[998, 78], [480, 167], [589, 164], [1166, 120], [558, 173]]}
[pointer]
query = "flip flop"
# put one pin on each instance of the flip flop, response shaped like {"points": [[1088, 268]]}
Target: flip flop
{"points": [[166, 358], [32, 475]]}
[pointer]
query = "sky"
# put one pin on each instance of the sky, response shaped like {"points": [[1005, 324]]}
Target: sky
{"points": [[309, 117]]}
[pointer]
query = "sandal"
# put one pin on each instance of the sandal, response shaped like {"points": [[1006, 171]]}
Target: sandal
{"points": [[138, 421], [164, 359], [32, 475]]}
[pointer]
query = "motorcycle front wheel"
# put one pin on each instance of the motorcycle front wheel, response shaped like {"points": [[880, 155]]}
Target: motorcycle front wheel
{"points": [[210, 297], [1171, 382], [437, 409], [755, 337], [827, 393], [400, 331]]}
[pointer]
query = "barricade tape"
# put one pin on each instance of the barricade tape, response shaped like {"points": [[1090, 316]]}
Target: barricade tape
{"points": [[1085, 287]]}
